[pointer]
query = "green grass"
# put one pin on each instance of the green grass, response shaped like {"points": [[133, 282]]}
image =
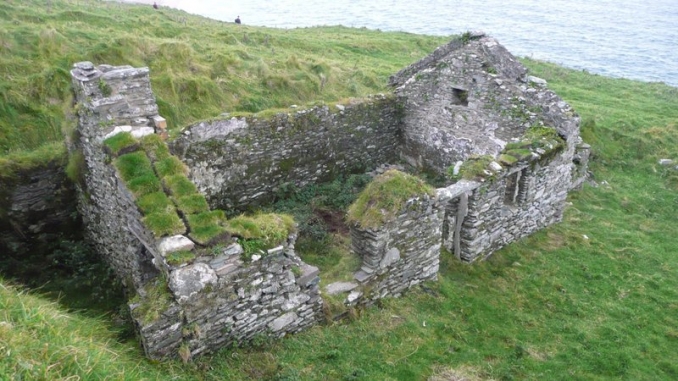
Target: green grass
{"points": [[591, 298], [121, 143], [156, 202], [170, 166], [40, 341], [200, 68], [272, 229], [193, 204], [164, 223], [179, 186], [134, 165], [155, 147], [206, 227], [384, 197], [179, 257]]}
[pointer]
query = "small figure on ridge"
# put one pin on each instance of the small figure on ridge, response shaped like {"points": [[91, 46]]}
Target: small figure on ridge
{"points": [[155, 5], [237, 20]]}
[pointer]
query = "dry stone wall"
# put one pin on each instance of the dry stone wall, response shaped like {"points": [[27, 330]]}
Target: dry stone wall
{"points": [[242, 162], [190, 308], [108, 97], [468, 98], [401, 253]]}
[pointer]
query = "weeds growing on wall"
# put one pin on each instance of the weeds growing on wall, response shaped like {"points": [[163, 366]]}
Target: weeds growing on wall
{"points": [[593, 297]]}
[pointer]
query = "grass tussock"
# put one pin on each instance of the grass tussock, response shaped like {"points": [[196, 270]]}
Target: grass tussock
{"points": [[121, 143], [385, 196], [164, 223], [271, 229]]}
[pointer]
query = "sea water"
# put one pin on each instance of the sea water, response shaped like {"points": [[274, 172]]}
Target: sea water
{"points": [[620, 38]]}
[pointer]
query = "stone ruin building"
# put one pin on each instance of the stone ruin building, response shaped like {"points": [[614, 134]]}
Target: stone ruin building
{"points": [[469, 112]]}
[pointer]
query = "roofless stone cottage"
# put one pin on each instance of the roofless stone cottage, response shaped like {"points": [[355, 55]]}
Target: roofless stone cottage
{"points": [[152, 208]]}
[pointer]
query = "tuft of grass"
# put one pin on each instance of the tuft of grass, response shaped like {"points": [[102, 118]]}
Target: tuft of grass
{"points": [[170, 166], [192, 204], [145, 184], [179, 186], [179, 257], [164, 223], [271, 229], [134, 165], [155, 147], [384, 197], [121, 143], [156, 202], [206, 227]]}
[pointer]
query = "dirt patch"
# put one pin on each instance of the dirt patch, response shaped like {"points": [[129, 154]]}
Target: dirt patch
{"points": [[333, 219]]}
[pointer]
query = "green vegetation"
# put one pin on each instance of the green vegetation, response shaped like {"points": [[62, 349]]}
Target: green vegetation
{"points": [[260, 232], [319, 211], [164, 223], [591, 298], [206, 227], [156, 301], [474, 168], [179, 186], [200, 68], [384, 197], [179, 257], [121, 143]]}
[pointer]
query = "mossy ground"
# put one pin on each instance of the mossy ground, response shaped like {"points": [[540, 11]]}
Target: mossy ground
{"points": [[591, 298]]}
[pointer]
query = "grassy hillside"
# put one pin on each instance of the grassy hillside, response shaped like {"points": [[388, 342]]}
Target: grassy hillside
{"points": [[200, 67], [592, 298]]}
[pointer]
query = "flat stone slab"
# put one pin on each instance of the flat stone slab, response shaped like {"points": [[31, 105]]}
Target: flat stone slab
{"points": [[140, 132], [175, 243], [362, 276], [118, 130], [340, 287], [308, 274], [282, 322], [190, 280]]}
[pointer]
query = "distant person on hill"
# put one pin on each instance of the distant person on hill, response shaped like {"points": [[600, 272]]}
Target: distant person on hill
{"points": [[155, 5], [237, 20]]}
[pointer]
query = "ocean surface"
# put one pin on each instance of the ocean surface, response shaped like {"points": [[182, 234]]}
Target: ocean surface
{"points": [[620, 38]]}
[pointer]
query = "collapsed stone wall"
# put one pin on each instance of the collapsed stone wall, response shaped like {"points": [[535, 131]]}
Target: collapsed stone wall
{"points": [[221, 301], [189, 308], [401, 253], [469, 98], [241, 162]]}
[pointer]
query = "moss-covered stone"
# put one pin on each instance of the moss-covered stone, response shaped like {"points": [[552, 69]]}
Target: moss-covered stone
{"points": [[384, 197]]}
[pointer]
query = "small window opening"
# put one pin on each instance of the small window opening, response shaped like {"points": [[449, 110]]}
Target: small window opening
{"points": [[460, 97], [516, 188]]}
